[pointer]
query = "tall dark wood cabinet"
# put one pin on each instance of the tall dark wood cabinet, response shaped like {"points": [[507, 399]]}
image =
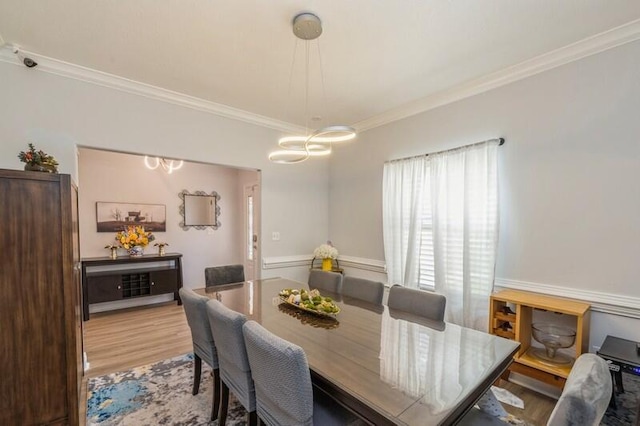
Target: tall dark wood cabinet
{"points": [[40, 301]]}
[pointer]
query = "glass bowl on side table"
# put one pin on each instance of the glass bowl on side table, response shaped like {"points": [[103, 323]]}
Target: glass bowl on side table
{"points": [[553, 337]]}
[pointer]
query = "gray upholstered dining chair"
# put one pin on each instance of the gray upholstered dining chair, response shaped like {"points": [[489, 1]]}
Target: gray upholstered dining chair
{"points": [[586, 393], [417, 302], [226, 326], [226, 274], [325, 280], [365, 290], [284, 393], [583, 401], [204, 348]]}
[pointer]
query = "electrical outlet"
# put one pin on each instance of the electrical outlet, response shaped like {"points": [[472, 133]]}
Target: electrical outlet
{"points": [[275, 236], [595, 348]]}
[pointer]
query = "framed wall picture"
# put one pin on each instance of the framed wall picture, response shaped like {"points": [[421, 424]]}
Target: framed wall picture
{"points": [[114, 217]]}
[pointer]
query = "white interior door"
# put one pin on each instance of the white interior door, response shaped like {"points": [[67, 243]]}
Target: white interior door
{"points": [[251, 232]]}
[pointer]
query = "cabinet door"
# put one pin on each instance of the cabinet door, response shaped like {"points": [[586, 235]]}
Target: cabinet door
{"points": [[104, 288], [165, 281]]}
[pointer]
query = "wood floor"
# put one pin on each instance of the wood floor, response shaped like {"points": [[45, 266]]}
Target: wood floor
{"points": [[120, 340]]}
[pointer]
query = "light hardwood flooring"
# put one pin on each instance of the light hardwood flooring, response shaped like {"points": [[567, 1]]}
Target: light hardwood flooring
{"points": [[120, 340]]}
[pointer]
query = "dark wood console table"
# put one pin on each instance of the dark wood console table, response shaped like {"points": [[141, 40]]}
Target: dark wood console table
{"points": [[132, 277]]}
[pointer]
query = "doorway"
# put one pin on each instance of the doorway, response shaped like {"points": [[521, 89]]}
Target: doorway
{"points": [[251, 231]]}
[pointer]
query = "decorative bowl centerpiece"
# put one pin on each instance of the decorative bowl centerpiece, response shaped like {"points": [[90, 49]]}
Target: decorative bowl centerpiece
{"points": [[310, 301], [553, 337]]}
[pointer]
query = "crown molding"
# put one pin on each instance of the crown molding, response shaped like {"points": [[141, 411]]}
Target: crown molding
{"points": [[607, 303], [572, 52], [99, 78]]}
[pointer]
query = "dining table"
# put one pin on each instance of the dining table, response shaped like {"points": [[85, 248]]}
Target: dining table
{"points": [[388, 367]]}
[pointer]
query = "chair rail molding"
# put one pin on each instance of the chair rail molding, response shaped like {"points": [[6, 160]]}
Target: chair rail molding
{"points": [[615, 304], [293, 261]]}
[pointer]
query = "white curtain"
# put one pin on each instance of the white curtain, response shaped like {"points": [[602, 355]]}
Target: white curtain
{"points": [[403, 194], [464, 203]]}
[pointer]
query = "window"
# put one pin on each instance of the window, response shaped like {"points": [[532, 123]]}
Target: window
{"points": [[440, 227]]}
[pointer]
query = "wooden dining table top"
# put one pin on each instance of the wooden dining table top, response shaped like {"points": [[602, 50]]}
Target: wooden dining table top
{"points": [[387, 367]]}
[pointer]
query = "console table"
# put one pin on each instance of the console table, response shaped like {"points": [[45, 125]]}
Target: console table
{"points": [[105, 279]]}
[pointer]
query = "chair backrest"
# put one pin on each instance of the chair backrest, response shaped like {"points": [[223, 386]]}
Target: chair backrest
{"points": [[325, 280], [284, 395], [366, 290], [226, 326], [417, 302], [195, 308], [227, 274], [586, 393]]}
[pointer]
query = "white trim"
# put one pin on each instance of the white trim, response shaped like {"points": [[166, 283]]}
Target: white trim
{"points": [[287, 261], [99, 78], [305, 260], [626, 306], [573, 52], [373, 265]]}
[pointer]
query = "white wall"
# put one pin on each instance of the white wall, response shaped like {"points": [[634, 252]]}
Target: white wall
{"points": [[569, 177], [59, 113]]}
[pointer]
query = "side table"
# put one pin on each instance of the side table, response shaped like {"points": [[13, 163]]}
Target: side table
{"points": [[623, 357]]}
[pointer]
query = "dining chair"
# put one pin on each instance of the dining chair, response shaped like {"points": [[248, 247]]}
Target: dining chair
{"points": [[586, 393], [365, 290], [204, 348], [226, 274], [417, 302], [583, 401], [284, 392], [235, 374], [325, 280]]}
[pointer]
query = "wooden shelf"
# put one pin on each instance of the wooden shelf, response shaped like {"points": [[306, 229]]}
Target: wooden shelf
{"points": [[524, 304], [531, 360]]}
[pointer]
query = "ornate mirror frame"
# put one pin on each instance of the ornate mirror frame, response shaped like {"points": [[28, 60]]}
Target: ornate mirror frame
{"points": [[213, 194]]}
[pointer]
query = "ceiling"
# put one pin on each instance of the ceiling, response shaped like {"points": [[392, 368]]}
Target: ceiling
{"points": [[377, 55]]}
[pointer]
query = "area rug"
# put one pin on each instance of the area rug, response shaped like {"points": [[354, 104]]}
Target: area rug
{"points": [[627, 403], [156, 394]]}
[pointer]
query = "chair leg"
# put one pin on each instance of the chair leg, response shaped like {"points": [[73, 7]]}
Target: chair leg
{"points": [[197, 371], [215, 404], [252, 419], [224, 404]]}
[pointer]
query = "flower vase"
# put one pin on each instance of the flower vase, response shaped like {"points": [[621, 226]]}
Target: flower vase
{"points": [[39, 168], [136, 251], [161, 251], [327, 264], [114, 252]]}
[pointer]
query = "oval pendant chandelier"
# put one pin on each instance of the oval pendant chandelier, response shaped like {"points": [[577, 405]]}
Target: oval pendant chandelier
{"points": [[296, 149]]}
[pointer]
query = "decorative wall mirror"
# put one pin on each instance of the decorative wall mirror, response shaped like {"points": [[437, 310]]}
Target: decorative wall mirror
{"points": [[199, 210]]}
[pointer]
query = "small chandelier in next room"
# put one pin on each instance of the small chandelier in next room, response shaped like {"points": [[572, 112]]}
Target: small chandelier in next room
{"points": [[295, 149]]}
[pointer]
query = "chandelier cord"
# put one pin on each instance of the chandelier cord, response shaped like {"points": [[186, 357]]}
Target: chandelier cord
{"points": [[287, 105], [324, 92], [306, 86]]}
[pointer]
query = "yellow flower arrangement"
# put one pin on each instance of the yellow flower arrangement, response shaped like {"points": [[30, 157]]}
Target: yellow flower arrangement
{"points": [[134, 236]]}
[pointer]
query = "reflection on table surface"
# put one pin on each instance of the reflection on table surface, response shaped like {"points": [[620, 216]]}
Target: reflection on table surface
{"points": [[390, 368]]}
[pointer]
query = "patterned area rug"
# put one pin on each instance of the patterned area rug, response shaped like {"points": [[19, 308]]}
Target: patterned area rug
{"points": [[156, 394], [627, 403]]}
